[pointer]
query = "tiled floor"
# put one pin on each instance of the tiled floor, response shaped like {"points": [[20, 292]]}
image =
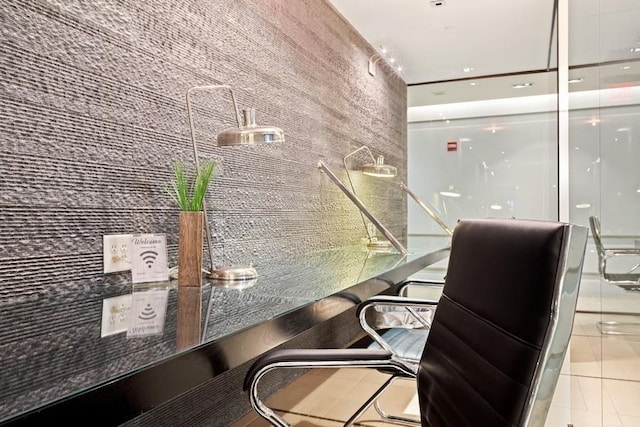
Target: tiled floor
{"points": [[599, 387]]}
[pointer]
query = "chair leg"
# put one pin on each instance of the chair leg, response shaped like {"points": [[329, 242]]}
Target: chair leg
{"points": [[369, 402], [395, 419], [373, 400]]}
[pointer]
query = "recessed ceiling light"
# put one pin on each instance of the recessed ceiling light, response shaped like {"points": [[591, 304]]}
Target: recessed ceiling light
{"points": [[576, 80], [474, 84], [467, 69], [583, 206], [496, 207], [634, 50], [521, 85], [626, 67]]}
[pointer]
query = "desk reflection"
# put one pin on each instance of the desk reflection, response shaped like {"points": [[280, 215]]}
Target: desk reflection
{"points": [[188, 328]]}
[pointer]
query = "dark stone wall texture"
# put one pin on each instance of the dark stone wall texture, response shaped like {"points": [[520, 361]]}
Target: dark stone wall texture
{"points": [[93, 115]]}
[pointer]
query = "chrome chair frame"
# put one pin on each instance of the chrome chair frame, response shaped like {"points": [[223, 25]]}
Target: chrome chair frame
{"points": [[412, 306], [378, 359], [628, 281]]}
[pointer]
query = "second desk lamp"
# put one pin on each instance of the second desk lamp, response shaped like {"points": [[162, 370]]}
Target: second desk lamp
{"points": [[379, 170], [360, 205]]}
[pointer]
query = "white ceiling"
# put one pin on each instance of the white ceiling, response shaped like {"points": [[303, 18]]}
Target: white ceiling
{"points": [[497, 37]]}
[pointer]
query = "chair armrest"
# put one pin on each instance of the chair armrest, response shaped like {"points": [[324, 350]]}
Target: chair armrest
{"points": [[310, 358], [395, 301], [625, 252], [622, 251], [403, 287], [410, 304]]}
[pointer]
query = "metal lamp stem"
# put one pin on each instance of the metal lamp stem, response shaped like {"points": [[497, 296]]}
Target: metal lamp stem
{"points": [[197, 159]]}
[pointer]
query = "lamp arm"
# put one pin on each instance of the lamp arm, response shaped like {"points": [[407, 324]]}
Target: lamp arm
{"points": [[195, 151], [363, 208], [423, 205]]}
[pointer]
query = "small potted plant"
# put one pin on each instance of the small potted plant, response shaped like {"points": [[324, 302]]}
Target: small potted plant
{"points": [[189, 196]]}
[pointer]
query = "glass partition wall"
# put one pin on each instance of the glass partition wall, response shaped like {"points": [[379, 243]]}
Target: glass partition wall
{"points": [[489, 147], [604, 129]]}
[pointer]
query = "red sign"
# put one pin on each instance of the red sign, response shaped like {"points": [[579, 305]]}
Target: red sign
{"points": [[452, 146]]}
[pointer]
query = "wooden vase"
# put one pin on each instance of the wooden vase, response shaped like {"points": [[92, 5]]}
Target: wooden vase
{"points": [[190, 240]]}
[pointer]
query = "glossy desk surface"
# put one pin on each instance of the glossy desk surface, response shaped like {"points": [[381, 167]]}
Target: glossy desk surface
{"points": [[53, 349]]}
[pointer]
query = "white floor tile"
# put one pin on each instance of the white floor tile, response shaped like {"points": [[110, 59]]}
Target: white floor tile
{"points": [[625, 396]]}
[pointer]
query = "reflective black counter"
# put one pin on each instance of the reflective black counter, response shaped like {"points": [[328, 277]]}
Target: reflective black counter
{"points": [[56, 366]]}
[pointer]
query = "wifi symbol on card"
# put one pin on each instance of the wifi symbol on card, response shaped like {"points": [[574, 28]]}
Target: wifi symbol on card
{"points": [[149, 257], [147, 313]]}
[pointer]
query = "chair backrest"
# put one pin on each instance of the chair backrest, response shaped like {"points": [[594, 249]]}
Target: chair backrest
{"points": [[502, 327]]}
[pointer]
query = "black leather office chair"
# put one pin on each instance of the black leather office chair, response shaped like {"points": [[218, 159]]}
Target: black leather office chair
{"points": [[498, 337]]}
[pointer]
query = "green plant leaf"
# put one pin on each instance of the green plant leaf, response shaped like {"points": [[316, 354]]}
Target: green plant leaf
{"points": [[189, 195]]}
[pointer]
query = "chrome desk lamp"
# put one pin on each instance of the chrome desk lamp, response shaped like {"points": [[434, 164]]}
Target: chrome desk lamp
{"points": [[379, 170], [376, 169], [247, 133], [363, 209]]}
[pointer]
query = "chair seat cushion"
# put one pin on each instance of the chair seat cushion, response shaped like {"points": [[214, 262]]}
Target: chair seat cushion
{"points": [[407, 343]]}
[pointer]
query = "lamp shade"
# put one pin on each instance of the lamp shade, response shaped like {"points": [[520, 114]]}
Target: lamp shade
{"points": [[250, 133], [379, 169]]}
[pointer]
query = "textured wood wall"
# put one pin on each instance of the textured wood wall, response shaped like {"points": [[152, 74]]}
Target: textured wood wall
{"points": [[93, 116]]}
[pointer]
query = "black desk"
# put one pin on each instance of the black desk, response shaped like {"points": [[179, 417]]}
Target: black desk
{"points": [[55, 366]]}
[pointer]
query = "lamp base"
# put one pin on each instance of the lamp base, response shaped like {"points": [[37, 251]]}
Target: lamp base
{"points": [[233, 284], [379, 244], [234, 276]]}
